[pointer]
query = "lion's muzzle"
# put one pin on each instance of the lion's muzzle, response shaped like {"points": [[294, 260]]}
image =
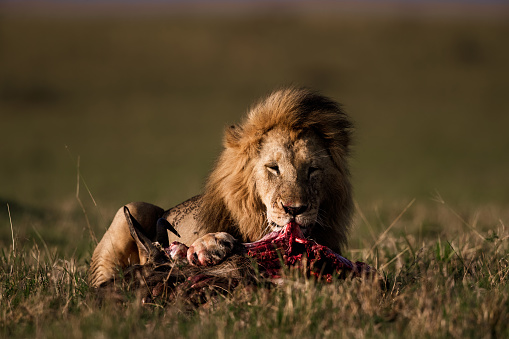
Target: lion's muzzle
{"points": [[294, 210]]}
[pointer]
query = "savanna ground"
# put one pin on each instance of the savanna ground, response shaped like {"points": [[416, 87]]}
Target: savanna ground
{"points": [[97, 111]]}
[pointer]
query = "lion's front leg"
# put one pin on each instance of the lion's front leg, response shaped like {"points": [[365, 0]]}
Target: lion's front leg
{"points": [[211, 249]]}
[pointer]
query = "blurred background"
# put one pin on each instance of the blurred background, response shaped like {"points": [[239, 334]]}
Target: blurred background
{"points": [[134, 96]]}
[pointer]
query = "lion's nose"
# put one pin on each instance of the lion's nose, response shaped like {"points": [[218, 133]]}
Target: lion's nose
{"points": [[295, 210]]}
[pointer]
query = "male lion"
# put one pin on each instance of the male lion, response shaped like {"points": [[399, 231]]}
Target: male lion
{"points": [[287, 161]]}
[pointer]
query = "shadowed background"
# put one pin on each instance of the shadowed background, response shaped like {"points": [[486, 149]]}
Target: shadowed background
{"points": [[141, 100]]}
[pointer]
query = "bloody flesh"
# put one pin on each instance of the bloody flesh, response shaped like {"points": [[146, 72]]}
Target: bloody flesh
{"points": [[289, 247]]}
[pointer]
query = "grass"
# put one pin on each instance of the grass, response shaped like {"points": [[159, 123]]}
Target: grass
{"points": [[136, 106], [451, 284]]}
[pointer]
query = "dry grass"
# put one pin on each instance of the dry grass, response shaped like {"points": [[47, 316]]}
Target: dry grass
{"points": [[452, 283]]}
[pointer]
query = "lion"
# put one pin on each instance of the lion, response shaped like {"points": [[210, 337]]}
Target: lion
{"points": [[286, 161]]}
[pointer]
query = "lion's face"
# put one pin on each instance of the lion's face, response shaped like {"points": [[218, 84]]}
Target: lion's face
{"points": [[289, 175], [288, 160]]}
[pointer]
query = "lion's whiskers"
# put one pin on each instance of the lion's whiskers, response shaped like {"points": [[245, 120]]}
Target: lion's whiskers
{"points": [[320, 219], [266, 229]]}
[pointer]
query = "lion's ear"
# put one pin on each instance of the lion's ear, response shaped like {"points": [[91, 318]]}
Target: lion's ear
{"points": [[232, 136]]}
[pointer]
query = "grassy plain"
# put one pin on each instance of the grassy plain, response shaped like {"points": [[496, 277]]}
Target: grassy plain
{"points": [[137, 106]]}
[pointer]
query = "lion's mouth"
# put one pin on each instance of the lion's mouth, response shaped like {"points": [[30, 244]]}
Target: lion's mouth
{"points": [[306, 229]]}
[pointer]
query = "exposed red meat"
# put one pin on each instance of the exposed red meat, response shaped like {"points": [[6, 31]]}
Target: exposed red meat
{"points": [[289, 247]]}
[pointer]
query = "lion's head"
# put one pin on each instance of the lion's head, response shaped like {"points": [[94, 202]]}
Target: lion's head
{"points": [[286, 161]]}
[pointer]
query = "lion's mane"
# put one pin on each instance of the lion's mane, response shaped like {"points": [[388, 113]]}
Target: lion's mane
{"points": [[231, 203]]}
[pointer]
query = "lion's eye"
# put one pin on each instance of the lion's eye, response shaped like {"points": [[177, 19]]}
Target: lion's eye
{"points": [[273, 168]]}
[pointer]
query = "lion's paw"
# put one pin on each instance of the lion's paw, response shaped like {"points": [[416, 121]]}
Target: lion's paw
{"points": [[211, 249]]}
